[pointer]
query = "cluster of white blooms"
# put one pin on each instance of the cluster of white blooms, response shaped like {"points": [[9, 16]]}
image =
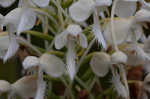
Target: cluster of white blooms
{"points": [[69, 30]]}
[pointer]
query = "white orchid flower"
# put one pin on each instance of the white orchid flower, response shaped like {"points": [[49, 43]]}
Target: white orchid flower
{"points": [[136, 55], [24, 87], [125, 29], [20, 20], [24, 17], [126, 8], [50, 64], [68, 37], [143, 15], [80, 13], [6, 3], [100, 63]]}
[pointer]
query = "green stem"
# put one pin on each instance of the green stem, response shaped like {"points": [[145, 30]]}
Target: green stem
{"points": [[39, 34]]}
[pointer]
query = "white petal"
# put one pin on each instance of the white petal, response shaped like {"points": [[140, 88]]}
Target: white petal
{"points": [[6, 3], [142, 15], [138, 57], [30, 61], [74, 29], [103, 2], [138, 31], [25, 87], [4, 86], [13, 47], [122, 29], [100, 64], [97, 31], [146, 67], [41, 3], [147, 45], [83, 40], [61, 40], [52, 65], [119, 57], [1, 21], [70, 60], [80, 13], [125, 9], [13, 18], [146, 4], [4, 42], [27, 21]]}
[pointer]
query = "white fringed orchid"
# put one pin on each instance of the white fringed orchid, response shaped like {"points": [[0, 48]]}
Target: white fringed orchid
{"points": [[6, 3], [136, 55], [50, 64], [100, 63], [143, 15], [124, 29], [126, 8], [69, 37], [24, 17], [19, 20], [24, 87], [80, 13]]}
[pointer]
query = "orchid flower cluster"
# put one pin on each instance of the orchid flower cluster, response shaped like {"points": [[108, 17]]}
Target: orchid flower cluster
{"points": [[83, 42]]}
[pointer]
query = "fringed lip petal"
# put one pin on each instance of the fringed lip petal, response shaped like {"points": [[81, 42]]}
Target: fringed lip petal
{"points": [[80, 13], [70, 60], [119, 87], [52, 65], [97, 31]]}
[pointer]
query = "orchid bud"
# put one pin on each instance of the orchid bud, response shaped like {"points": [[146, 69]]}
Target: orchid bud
{"points": [[4, 86], [119, 57], [100, 63]]}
